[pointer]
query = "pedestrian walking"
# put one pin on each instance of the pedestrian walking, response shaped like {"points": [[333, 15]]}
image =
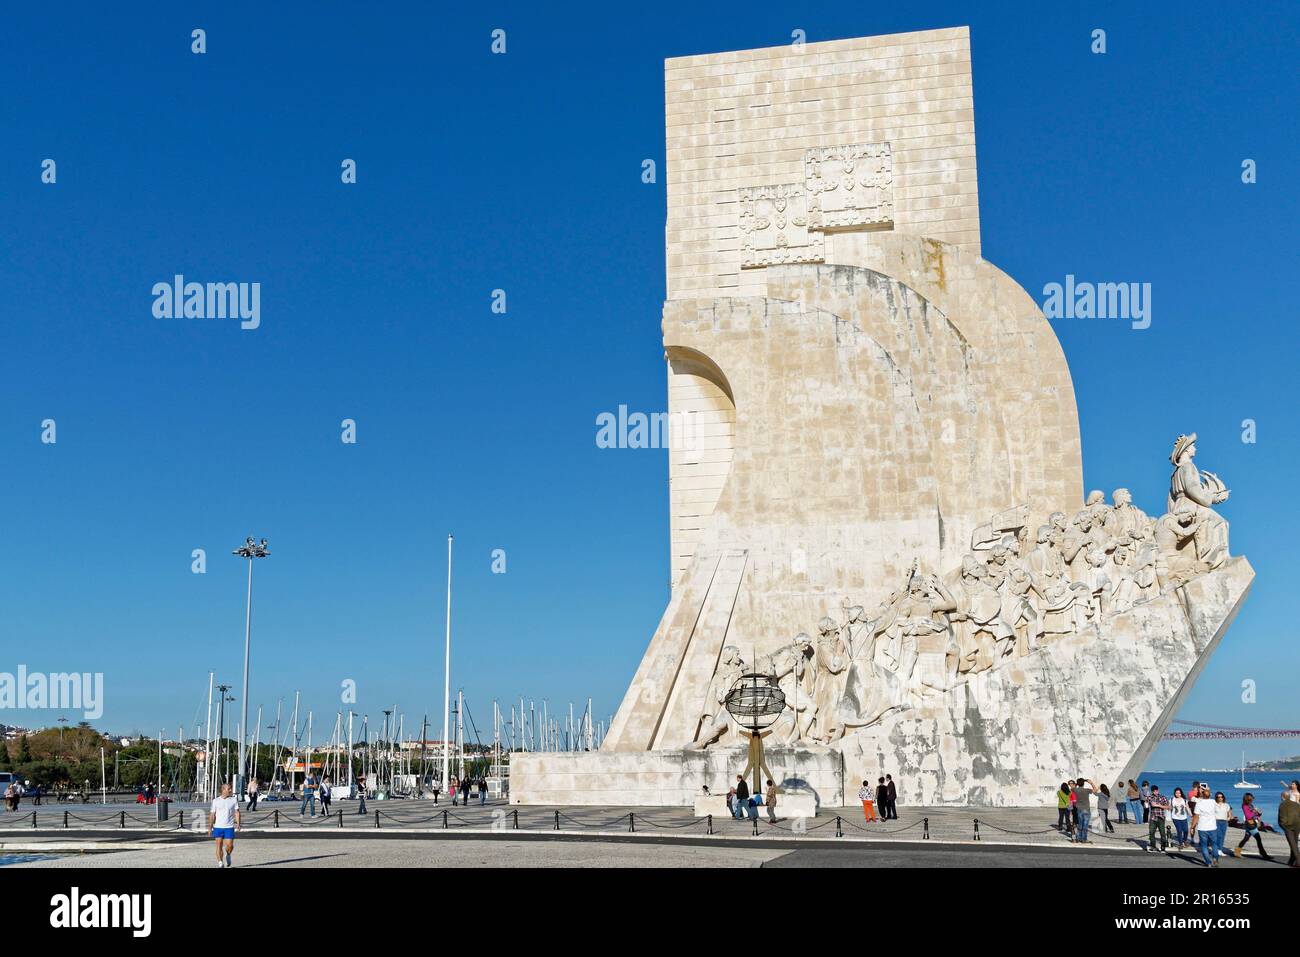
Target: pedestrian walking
{"points": [[1180, 812], [325, 796], [482, 791], [891, 812], [1156, 807], [223, 823], [769, 798], [1205, 828], [361, 794], [1222, 817], [1251, 820], [1288, 819], [742, 797], [252, 794]]}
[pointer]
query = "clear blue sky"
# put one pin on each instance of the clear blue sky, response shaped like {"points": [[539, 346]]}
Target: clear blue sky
{"points": [[522, 172]]}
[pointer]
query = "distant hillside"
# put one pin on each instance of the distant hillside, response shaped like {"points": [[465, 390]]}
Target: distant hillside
{"points": [[1277, 764]]}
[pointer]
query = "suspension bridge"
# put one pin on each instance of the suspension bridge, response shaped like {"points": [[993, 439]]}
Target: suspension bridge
{"points": [[1216, 732]]}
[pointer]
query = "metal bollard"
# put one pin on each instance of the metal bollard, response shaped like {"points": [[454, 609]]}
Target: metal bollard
{"points": [[444, 819], [276, 821], [122, 821], [631, 822], [65, 820], [557, 820], [340, 812], [977, 829], [376, 819], [925, 828], [710, 829], [180, 819], [755, 827], [516, 819], [33, 820]]}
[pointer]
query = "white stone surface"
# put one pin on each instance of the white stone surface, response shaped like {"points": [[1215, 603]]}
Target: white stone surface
{"points": [[665, 778], [796, 804], [715, 804]]}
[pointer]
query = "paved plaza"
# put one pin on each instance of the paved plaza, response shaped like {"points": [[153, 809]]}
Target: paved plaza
{"points": [[422, 834]]}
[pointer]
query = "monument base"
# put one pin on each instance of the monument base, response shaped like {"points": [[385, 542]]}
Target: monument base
{"points": [[670, 778]]}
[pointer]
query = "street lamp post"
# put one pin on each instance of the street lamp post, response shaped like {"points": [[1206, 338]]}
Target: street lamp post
{"points": [[250, 550]]}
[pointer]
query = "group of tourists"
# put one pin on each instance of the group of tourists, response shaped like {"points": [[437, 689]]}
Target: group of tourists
{"points": [[462, 790], [14, 794], [740, 802], [881, 802], [1192, 818]]}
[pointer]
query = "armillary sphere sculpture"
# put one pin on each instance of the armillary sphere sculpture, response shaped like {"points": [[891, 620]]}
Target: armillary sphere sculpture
{"points": [[756, 702]]}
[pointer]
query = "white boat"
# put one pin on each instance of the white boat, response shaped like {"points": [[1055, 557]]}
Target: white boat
{"points": [[1243, 783]]}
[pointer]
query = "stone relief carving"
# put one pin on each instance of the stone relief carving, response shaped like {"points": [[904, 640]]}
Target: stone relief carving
{"points": [[1004, 601], [844, 187], [849, 186], [774, 226], [713, 720]]}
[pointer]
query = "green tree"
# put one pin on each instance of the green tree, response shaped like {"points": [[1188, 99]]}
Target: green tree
{"points": [[24, 751]]}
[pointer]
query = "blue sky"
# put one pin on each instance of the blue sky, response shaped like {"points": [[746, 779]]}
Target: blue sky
{"points": [[522, 172]]}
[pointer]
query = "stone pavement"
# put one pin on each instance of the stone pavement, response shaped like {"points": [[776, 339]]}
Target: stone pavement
{"points": [[1024, 827]]}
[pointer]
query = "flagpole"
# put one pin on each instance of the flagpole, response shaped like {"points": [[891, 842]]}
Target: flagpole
{"points": [[446, 674]]}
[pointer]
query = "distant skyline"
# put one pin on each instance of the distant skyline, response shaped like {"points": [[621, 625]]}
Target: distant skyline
{"points": [[478, 172]]}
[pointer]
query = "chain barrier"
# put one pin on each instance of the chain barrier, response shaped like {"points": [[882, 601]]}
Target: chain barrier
{"points": [[677, 827]]}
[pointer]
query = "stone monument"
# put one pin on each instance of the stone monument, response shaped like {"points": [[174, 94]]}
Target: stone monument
{"points": [[887, 456]]}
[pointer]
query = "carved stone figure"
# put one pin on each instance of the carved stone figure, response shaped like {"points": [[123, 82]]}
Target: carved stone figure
{"points": [[1178, 544], [714, 722], [923, 617], [1125, 517], [1018, 615], [1202, 490], [828, 684], [976, 622], [791, 668], [1085, 534], [1095, 505], [1098, 582]]}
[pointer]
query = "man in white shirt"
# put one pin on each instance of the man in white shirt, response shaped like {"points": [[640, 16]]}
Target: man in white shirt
{"points": [[1205, 827], [224, 823]]}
